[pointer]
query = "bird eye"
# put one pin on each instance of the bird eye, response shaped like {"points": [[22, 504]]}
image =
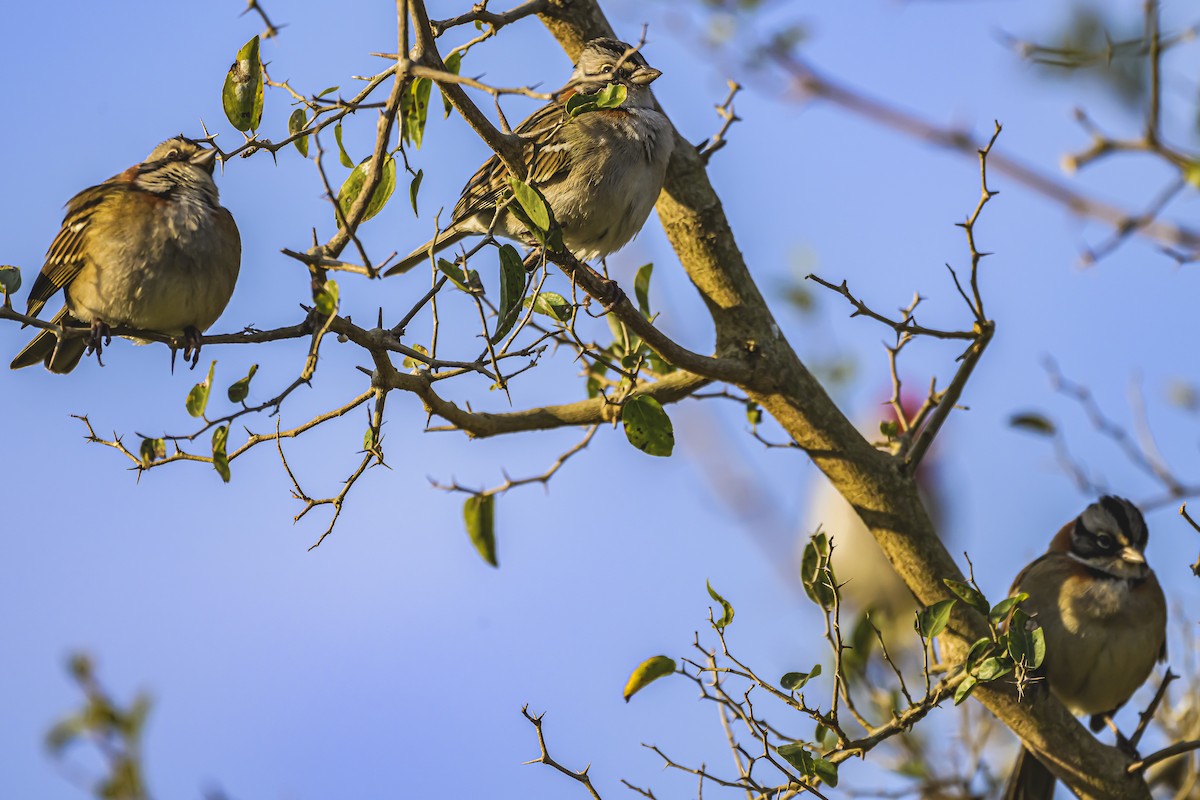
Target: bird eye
{"points": [[607, 68], [172, 153], [1104, 541]]}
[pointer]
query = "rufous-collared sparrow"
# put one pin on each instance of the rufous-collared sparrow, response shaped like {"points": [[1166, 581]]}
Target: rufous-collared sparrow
{"points": [[151, 248]]}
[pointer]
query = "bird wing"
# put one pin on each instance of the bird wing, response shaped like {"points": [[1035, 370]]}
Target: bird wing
{"points": [[548, 160], [67, 255]]}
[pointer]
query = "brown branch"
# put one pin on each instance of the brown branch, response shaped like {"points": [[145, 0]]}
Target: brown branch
{"points": [[884, 496], [544, 758], [814, 83]]}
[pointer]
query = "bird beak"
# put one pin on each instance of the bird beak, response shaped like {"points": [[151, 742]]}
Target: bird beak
{"points": [[644, 76], [205, 159], [1132, 556]]}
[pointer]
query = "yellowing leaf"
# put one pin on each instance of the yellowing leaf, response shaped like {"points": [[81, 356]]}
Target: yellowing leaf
{"points": [[242, 95], [479, 513], [353, 187], [648, 671], [197, 399]]}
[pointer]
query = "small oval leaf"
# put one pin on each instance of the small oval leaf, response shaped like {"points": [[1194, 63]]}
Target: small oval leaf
{"points": [[647, 426], [242, 95], [10, 278], [197, 399], [550, 304], [414, 110], [343, 156], [641, 288], [512, 290], [648, 671], [611, 96], [220, 459], [532, 203], [931, 621], [296, 123], [1034, 423], [726, 608], [479, 513], [326, 299], [354, 185], [968, 594], [241, 388], [152, 450], [413, 188]]}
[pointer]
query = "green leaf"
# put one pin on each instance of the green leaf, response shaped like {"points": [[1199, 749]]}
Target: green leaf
{"points": [[1034, 423], [453, 64], [1191, 174], [152, 450], [296, 123], [479, 512], [641, 288], [354, 185], [795, 681], [343, 156], [611, 96], [816, 572], [10, 278], [647, 672], [1001, 610], [889, 428], [964, 689], [1036, 648], [862, 642], [369, 439], [647, 426], [241, 388], [754, 413], [550, 304], [197, 399], [324, 92], [932, 620], [242, 95], [512, 290], [413, 188], [1026, 640], [979, 649], [969, 594], [66, 731], [468, 282], [727, 609], [412, 363], [532, 203], [798, 756], [220, 459], [327, 299], [991, 668], [414, 109], [827, 771]]}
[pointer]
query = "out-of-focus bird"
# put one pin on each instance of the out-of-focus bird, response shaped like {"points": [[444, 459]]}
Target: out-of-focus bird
{"points": [[869, 584], [151, 248], [1104, 618], [601, 171]]}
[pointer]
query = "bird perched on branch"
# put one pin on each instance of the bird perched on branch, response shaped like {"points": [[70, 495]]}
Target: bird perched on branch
{"points": [[151, 248], [869, 583], [599, 165], [1103, 616]]}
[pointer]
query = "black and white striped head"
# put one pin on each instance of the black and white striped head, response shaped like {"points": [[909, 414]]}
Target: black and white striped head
{"points": [[1110, 536], [607, 61], [178, 163]]}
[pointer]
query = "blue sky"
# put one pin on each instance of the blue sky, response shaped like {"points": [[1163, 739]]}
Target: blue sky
{"points": [[391, 661]]}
